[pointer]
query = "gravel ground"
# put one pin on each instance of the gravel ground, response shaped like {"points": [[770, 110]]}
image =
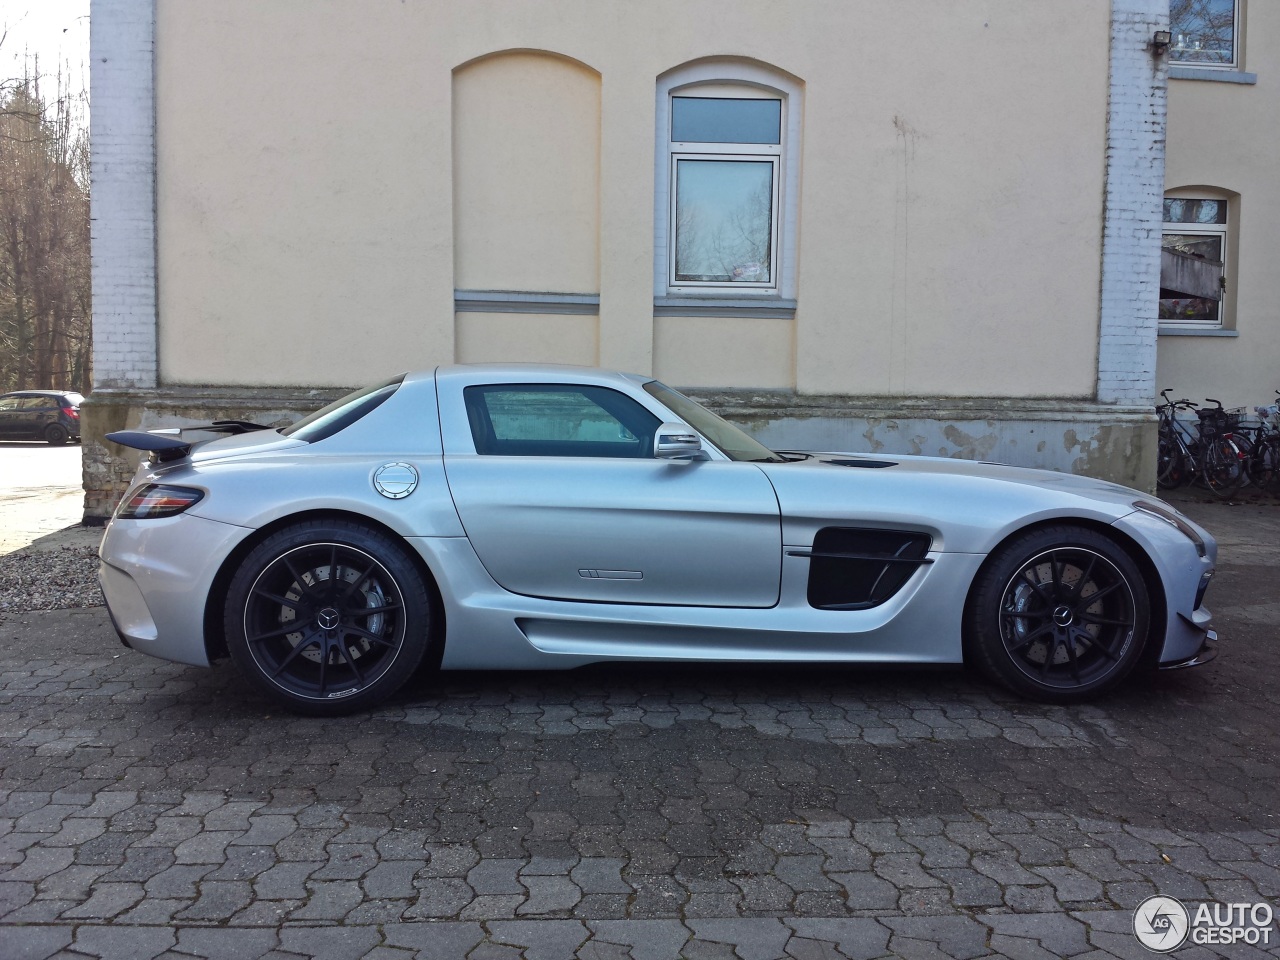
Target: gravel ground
{"points": [[49, 579]]}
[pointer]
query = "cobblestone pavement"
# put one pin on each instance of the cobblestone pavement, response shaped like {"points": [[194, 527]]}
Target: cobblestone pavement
{"points": [[153, 810]]}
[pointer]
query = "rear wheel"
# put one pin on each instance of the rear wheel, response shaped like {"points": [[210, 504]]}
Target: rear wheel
{"points": [[1060, 614], [328, 617], [1170, 464], [56, 434]]}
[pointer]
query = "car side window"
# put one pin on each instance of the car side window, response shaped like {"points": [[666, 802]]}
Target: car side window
{"points": [[10, 403], [558, 420]]}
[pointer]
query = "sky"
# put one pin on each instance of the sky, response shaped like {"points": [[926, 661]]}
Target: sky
{"points": [[57, 31]]}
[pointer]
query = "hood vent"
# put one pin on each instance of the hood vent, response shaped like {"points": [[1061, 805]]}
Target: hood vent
{"points": [[862, 463]]}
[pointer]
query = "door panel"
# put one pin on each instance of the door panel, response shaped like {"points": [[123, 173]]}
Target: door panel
{"points": [[622, 530]]}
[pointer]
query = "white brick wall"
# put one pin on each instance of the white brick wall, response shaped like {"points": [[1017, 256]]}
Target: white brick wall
{"points": [[1135, 189], [123, 198]]}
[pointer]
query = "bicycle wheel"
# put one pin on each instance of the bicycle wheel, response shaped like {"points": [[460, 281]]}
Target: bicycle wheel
{"points": [[1245, 448], [1221, 467], [1264, 463], [1171, 465]]}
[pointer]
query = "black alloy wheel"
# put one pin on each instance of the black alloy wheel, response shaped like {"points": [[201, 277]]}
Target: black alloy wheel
{"points": [[56, 434], [328, 618], [1060, 614]]}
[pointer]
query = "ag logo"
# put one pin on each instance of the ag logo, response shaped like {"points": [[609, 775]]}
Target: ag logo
{"points": [[1161, 924]]}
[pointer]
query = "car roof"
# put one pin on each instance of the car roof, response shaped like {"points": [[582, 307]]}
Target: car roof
{"points": [[43, 393], [534, 373]]}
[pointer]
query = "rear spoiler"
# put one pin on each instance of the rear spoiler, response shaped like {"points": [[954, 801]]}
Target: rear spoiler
{"points": [[165, 443]]}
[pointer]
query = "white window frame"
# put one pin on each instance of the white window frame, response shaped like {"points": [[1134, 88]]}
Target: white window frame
{"points": [[1220, 230], [732, 80], [1237, 24]]}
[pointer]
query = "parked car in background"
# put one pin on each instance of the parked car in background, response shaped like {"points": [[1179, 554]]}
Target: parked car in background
{"points": [[49, 415], [519, 516]]}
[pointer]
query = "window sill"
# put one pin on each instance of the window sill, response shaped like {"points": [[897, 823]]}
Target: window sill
{"points": [[1209, 73], [1171, 331], [687, 306]]}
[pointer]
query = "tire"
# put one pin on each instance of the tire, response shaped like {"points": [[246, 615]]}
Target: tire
{"points": [[1221, 467], [1264, 463], [1171, 471], [1033, 624], [56, 434], [328, 617]]}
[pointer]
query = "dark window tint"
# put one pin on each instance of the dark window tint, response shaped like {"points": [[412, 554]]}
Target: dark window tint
{"points": [[725, 120], [558, 420], [340, 414]]}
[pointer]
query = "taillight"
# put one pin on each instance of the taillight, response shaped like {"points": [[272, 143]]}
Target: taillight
{"points": [[71, 412], [158, 500]]}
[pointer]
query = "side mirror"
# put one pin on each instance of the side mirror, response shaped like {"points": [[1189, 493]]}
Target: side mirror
{"points": [[677, 441]]}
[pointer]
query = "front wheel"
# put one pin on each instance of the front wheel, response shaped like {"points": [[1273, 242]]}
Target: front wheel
{"points": [[1264, 462], [328, 617], [1222, 467], [1059, 614]]}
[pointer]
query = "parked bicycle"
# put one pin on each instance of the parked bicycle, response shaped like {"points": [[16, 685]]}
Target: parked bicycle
{"points": [[1259, 442], [1208, 453]]}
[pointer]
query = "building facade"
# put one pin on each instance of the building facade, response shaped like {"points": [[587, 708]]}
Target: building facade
{"points": [[863, 226], [1222, 209]]}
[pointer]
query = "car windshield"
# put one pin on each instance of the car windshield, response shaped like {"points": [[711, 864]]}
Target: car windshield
{"points": [[343, 412], [728, 439]]}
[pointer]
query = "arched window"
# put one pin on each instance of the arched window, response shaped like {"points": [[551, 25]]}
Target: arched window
{"points": [[1195, 259], [726, 177]]}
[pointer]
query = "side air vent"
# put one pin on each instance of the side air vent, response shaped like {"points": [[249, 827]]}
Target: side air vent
{"points": [[854, 569]]}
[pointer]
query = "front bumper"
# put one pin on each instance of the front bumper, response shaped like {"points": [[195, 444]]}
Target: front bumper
{"points": [[156, 576], [1199, 620]]}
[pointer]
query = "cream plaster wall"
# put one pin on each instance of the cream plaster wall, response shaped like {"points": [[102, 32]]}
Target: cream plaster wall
{"points": [[1227, 135], [950, 208], [527, 338], [724, 351], [526, 175]]}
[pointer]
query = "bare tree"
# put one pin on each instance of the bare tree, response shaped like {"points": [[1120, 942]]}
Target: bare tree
{"points": [[45, 309]]}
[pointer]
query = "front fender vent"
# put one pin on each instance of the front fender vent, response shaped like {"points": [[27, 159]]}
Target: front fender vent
{"points": [[852, 568]]}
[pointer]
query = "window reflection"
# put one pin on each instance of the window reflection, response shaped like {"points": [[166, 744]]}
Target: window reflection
{"points": [[1204, 31], [723, 221]]}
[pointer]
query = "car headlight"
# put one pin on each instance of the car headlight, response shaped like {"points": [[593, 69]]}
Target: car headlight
{"points": [[1157, 508], [158, 500]]}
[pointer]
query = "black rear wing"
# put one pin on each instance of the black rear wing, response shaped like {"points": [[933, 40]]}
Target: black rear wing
{"points": [[167, 444]]}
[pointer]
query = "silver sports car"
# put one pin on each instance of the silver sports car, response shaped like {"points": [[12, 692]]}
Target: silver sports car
{"points": [[538, 517]]}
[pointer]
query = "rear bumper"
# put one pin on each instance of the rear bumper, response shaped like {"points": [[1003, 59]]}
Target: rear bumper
{"points": [[156, 575]]}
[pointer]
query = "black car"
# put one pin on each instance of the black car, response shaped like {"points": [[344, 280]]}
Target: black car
{"points": [[52, 415]]}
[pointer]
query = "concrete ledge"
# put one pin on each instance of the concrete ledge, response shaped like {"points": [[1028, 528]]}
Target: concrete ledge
{"points": [[1110, 442]]}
